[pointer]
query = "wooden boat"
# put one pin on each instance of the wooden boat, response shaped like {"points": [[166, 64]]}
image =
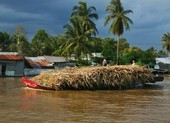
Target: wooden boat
{"points": [[157, 78], [161, 71], [35, 85]]}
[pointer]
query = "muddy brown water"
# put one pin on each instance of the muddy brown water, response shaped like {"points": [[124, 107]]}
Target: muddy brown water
{"points": [[19, 104]]}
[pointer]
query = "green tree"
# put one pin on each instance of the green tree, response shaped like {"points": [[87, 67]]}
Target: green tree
{"points": [[58, 44], [5, 42], [19, 41], [41, 43], [142, 57], [109, 46], [123, 44], [78, 38], [96, 45], [166, 42], [148, 56], [119, 20], [79, 31], [129, 54], [86, 14]]}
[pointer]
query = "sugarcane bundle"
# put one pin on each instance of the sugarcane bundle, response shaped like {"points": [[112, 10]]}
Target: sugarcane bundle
{"points": [[93, 78]]}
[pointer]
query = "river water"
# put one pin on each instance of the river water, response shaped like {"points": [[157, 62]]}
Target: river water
{"points": [[19, 104]]}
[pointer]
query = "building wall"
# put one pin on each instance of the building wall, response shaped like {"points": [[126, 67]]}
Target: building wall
{"points": [[64, 64], [19, 69], [163, 66], [13, 68]]}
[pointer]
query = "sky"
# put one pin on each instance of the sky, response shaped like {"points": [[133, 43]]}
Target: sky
{"points": [[151, 18]]}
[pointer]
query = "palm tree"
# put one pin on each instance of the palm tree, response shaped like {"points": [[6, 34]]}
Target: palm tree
{"points": [[119, 20], [80, 29], [78, 38], [86, 14], [166, 42]]}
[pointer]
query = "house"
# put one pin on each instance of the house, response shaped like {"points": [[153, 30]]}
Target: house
{"points": [[37, 62], [36, 65], [59, 62], [11, 64], [99, 55], [47, 62], [163, 63]]}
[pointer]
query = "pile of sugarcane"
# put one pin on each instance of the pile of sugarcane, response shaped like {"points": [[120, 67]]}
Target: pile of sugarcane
{"points": [[95, 78]]}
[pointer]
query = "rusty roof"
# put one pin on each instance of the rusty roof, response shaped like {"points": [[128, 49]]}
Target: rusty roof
{"points": [[35, 61], [41, 63], [10, 57]]}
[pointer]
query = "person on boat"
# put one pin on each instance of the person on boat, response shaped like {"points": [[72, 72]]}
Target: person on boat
{"points": [[133, 63], [104, 63]]}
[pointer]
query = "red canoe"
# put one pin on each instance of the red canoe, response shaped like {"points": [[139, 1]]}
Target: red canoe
{"points": [[35, 85]]}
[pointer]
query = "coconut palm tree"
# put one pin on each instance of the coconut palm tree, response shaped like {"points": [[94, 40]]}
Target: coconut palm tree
{"points": [[80, 29], [166, 42], [86, 15], [78, 38], [118, 20]]}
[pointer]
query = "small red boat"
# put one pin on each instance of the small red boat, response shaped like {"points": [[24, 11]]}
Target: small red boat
{"points": [[35, 85]]}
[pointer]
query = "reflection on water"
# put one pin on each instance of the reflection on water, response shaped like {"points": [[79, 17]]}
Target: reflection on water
{"points": [[22, 105]]}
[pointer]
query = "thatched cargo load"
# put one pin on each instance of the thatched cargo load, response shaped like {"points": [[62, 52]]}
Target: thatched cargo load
{"points": [[95, 78]]}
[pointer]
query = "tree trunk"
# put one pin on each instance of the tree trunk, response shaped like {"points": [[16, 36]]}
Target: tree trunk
{"points": [[117, 60]]}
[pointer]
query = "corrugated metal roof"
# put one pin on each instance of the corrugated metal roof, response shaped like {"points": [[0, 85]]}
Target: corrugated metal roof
{"points": [[44, 60], [10, 57], [9, 53], [37, 61], [54, 58]]}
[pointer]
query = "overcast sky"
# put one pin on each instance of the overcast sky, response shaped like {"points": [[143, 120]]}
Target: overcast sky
{"points": [[151, 18]]}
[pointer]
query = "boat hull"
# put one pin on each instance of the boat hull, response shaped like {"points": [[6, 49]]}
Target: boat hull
{"points": [[157, 78], [32, 84]]}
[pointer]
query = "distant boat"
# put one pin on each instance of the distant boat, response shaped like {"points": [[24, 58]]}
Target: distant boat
{"points": [[157, 78], [161, 71]]}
